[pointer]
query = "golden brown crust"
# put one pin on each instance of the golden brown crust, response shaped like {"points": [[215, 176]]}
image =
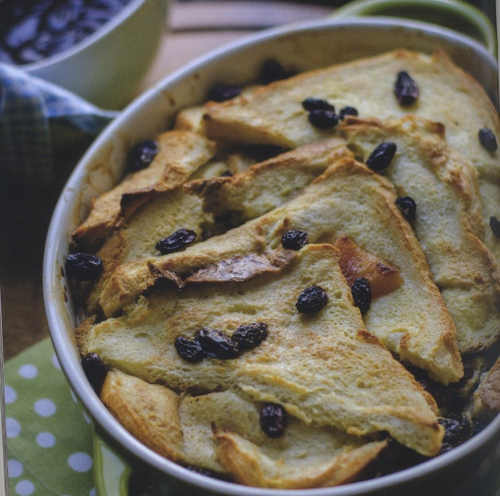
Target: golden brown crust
{"points": [[180, 154], [250, 467], [321, 210], [149, 412]]}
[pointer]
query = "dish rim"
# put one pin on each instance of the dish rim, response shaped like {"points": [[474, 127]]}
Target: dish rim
{"points": [[64, 346]]}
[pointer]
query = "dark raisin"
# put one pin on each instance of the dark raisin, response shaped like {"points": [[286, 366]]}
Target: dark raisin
{"points": [[216, 344], [189, 349], [408, 207], [141, 155], [456, 432], [323, 119], [250, 336], [273, 419], [347, 111], [226, 174], [221, 92], [406, 89], [381, 156], [176, 241], [271, 70], [83, 266], [495, 226], [312, 300], [95, 370], [294, 239], [488, 139], [311, 104], [362, 294]]}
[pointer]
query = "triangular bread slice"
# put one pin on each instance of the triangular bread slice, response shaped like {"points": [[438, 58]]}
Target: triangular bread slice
{"points": [[449, 221], [348, 200], [336, 374], [221, 432], [180, 154], [198, 205], [274, 115]]}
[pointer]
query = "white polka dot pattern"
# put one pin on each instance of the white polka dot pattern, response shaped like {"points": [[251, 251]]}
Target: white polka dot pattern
{"points": [[45, 440], [12, 427], [25, 488], [45, 407], [80, 462], [14, 468], [28, 371], [9, 394]]}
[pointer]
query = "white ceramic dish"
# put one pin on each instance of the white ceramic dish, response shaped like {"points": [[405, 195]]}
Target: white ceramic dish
{"points": [[106, 67], [306, 46]]}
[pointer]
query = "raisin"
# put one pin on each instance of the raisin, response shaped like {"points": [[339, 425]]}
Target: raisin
{"points": [[271, 70], [250, 336], [176, 241], [408, 207], [488, 139], [495, 226], [347, 111], [189, 349], [294, 239], [95, 370], [323, 119], [312, 300], [381, 156], [83, 266], [141, 155], [216, 344], [311, 104], [456, 432], [273, 419], [226, 174], [406, 89], [362, 294], [221, 92]]}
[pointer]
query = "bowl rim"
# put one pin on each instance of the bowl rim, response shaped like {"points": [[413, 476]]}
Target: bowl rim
{"points": [[124, 13], [54, 307]]}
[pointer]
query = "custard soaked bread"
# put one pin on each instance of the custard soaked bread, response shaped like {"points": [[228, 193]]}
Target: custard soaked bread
{"points": [[221, 432], [180, 153], [445, 210], [274, 114], [348, 200], [336, 373], [198, 205]]}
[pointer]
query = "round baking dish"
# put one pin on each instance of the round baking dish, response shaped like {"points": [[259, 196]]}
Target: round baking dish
{"points": [[305, 46]]}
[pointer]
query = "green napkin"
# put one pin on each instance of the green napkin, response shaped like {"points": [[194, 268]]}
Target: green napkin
{"points": [[48, 434]]}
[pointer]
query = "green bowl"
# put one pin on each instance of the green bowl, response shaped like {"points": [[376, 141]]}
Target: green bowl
{"points": [[452, 14]]}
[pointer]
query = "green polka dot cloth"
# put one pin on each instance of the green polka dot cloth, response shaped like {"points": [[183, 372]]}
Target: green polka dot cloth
{"points": [[48, 434]]}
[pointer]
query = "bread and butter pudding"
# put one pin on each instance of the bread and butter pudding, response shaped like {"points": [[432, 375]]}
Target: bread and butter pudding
{"points": [[298, 283]]}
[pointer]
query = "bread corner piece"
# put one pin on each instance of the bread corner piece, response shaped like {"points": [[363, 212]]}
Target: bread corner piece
{"points": [[220, 432], [180, 154]]}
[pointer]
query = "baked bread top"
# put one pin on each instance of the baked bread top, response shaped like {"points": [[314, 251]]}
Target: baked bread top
{"points": [[432, 275], [336, 373]]}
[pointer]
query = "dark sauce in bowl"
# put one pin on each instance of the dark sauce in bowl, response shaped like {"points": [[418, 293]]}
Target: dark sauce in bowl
{"points": [[31, 31]]}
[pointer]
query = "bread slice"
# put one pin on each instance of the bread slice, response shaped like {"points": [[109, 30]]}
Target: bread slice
{"points": [[449, 222], [336, 374], [348, 200], [220, 432], [273, 114], [180, 154], [199, 204]]}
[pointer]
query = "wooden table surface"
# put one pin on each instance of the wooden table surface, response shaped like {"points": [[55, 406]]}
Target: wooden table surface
{"points": [[194, 28]]}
